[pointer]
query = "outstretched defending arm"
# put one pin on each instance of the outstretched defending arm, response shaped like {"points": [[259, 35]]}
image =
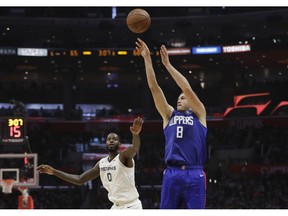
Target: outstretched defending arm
{"points": [[136, 142], [74, 179]]}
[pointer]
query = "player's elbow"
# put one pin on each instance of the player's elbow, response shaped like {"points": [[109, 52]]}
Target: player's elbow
{"points": [[80, 182], [136, 149], [153, 87]]}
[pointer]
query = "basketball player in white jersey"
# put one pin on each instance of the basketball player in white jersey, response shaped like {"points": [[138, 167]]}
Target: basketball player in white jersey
{"points": [[116, 171]]}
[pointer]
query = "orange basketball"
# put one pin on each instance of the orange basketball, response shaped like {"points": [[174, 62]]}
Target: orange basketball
{"points": [[138, 20]]}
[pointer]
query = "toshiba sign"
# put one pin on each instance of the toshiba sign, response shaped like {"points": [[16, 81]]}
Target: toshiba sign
{"points": [[236, 48]]}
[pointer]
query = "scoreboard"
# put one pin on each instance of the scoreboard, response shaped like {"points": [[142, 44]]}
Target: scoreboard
{"points": [[110, 52], [95, 52], [13, 130], [40, 52]]}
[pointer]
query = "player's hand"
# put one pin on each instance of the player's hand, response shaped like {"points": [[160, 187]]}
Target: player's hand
{"points": [[43, 168], [164, 56], [137, 126], [142, 48]]}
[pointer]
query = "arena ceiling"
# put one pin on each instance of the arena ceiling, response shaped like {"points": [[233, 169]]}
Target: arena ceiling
{"points": [[66, 31]]}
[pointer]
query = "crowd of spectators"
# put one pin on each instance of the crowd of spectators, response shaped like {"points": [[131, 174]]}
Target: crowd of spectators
{"points": [[225, 190]]}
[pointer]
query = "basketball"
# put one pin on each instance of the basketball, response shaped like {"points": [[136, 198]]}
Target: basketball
{"points": [[138, 20]]}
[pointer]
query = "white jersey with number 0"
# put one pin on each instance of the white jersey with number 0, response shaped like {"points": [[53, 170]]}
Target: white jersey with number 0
{"points": [[118, 180]]}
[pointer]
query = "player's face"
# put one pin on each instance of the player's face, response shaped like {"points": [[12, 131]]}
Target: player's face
{"points": [[112, 142], [182, 103]]}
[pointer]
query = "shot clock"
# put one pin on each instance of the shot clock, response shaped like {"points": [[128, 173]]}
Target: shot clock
{"points": [[13, 130]]}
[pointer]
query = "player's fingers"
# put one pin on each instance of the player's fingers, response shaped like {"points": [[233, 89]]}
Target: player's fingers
{"points": [[40, 166], [43, 167], [138, 120]]}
